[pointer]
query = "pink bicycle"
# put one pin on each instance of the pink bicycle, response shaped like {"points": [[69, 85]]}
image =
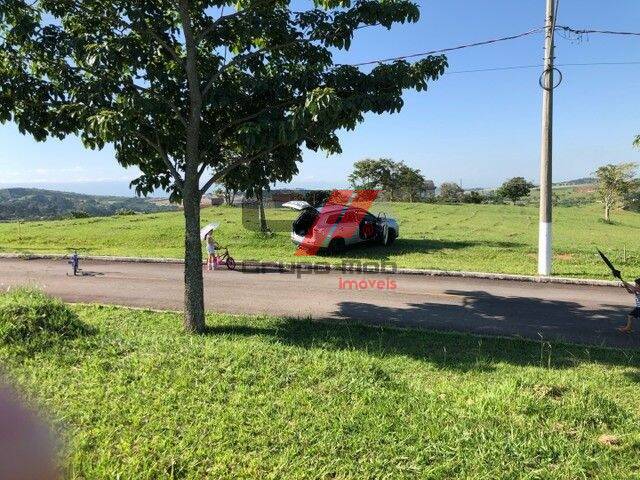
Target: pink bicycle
{"points": [[225, 259]]}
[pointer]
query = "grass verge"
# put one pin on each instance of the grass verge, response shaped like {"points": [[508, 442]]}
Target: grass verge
{"points": [[279, 398]]}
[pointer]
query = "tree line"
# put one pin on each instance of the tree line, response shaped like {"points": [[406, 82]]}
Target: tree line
{"points": [[617, 186], [400, 183]]}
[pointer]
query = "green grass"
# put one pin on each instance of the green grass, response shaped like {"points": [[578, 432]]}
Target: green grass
{"points": [[277, 398], [493, 238], [30, 319]]}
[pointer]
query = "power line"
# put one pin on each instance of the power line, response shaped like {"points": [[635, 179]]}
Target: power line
{"points": [[524, 67], [492, 41], [493, 69], [450, 49], [588, 64], [603, 32]]}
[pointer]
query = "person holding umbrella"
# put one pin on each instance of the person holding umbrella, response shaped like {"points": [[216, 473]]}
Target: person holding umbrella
{"points": [[207, 234]]}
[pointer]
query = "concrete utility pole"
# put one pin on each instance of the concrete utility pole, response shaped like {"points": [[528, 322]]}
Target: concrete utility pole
{"points": [[546, 82]]}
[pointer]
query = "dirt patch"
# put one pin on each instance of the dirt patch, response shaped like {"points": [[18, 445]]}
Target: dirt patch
{"points": [[549, 391], [609, 440], [563, 257]]}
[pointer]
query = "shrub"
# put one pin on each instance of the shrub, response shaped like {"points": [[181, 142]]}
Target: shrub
{"points": [[123, 212], [473, 197], [79, 214], [29, 316]]}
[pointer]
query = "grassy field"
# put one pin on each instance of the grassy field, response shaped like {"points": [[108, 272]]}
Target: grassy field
{"points": [[494, 238], [567, 196], [278, 398]]}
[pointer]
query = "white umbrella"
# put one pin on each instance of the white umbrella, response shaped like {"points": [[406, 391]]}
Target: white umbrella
{"points": [[208, 229]]}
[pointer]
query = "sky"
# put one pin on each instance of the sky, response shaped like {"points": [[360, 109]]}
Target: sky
{"points": [[474, 128]]}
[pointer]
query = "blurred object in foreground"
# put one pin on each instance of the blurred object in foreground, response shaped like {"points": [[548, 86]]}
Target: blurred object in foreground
{"points": [[27, 449]]}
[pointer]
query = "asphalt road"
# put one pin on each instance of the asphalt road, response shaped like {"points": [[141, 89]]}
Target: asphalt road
{"points": [[578, 314]]}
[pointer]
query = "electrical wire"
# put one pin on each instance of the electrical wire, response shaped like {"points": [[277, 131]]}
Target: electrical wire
{"points": [[494, 40], [604, 32], [524, 67], [444, 50]]}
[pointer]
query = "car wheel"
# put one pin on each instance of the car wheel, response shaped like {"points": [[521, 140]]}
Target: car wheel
{"points": [[391, 237], [336, 245]]}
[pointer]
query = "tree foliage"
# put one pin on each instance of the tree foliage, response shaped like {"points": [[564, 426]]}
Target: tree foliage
{"points": [[396, 180], [188, 88], [615, 182], [473, 197], [515, 188], [451, 192]]}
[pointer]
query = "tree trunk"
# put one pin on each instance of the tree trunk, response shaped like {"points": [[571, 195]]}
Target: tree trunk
{"points": [[261, 215], [194, 320], [229, 196], [607, 213]]}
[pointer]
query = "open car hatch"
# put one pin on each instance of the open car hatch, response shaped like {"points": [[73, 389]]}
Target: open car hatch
{"points": [[297, 205]]}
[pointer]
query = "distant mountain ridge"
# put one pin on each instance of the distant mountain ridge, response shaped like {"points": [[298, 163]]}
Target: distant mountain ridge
{"points": [[577, 181], [39, 204]]}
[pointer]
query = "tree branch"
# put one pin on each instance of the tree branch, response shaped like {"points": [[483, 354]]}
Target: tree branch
{"points": [[224, 17], [239, 121], [165, 158], [165, 45], [166, 101], [236, 163], [243, 56]]}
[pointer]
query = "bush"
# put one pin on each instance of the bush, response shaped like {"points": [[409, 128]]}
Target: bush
{"points": [[473, 197], [631, 201], [492, 198], [79, 214], [29, 316], [123, 212]]}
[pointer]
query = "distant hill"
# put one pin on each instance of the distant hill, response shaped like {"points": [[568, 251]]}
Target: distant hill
{"points": [[577, 181], [38, 204]]}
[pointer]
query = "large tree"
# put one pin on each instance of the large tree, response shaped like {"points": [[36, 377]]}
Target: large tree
{"points": [[411, 183], [188, 88], [451, 192], [615, 182], [397, 180], [375, 174], [515, 188]]}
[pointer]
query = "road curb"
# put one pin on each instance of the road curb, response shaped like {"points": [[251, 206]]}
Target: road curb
{"points": [[347, 267]]}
